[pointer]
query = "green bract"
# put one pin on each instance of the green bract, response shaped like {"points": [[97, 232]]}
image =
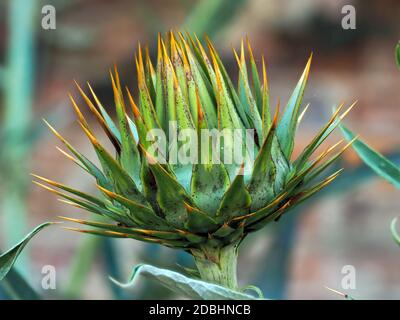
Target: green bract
{"points": [[204, 208]]}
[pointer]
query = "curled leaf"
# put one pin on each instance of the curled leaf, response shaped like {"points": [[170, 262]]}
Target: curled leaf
{"points": [[180, 284], [372, 158], [395, 234], [8, 258]]}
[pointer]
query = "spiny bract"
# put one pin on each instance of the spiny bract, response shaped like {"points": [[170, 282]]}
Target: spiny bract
{"points": [[194, 205]]}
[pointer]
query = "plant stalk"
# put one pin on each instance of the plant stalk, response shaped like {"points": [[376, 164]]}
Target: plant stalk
{"points": [[218, 265]]}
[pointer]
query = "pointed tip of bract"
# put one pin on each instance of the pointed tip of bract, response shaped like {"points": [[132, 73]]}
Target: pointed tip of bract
{"points": [[91, 137], [335, 291], [159, 49], [308, 67], [135, 109], [242, 56], [164, 50], [303, 113], [77, 84], [47, 123], [344, 114], [68, 219], [310, 59], [249, 49], [74, 229], [46, 187]]}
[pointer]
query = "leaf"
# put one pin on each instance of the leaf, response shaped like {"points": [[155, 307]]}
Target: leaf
{"points": [[130, 157], [17, 288], [122, 182], [397, 53], [287, 125], [159, 103], [206, 100], [86, 163], [261, 183], [199, 221], [208, 185], [265, 108], [8, 258], [108, 120], [395, 234], [236, 200], [256, 289], [191, 288], [170, 196], [245, 93], [238, 105], [320, 137], [376, 161], [146, 104]]}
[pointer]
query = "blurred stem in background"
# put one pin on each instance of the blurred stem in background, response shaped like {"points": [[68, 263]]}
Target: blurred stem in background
{"points": [[15, 287], [210, 16], [80, 267], [18, 83], [275, 267]]}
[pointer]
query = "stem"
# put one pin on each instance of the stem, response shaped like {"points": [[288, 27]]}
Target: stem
{"points": [[18, 85], [217, 264]]}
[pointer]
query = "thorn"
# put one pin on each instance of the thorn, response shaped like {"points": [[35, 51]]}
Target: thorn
{"points": [[303, 113], [344, 295], [348, 110]]}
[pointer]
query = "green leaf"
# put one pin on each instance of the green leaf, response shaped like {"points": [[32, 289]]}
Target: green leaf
{"points": [[108, 120], [8, 258], [182, 285], [235, 98], [208, 185], [86, 164], [198, 221], [146, 105], [130, 157], [159, 103], [206, 100], [288, 123], [256, 78], [377, 162], [171, 196], [236, 201], [256, 289], [397, 53], [395, 234], [261, 183], [122, 182], [17, 288], [246, 95], [141, 215]]}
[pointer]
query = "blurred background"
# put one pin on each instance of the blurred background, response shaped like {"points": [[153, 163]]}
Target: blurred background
{"points": [[347, 224]]}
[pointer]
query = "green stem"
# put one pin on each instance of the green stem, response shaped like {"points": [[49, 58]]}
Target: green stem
{"points": [[217, 264], [18, 85]]}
